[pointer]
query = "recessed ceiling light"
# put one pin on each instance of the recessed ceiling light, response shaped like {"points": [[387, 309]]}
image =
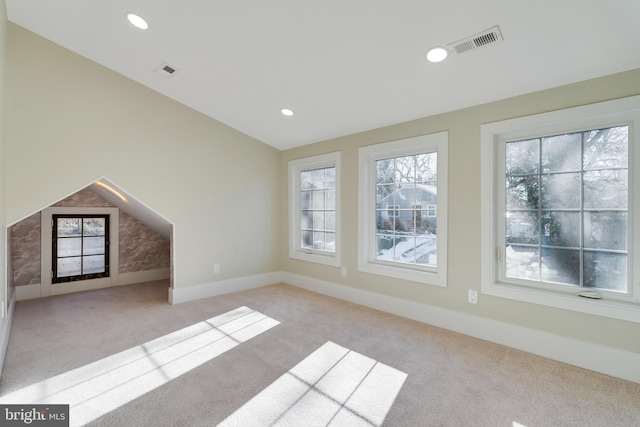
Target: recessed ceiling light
{"points": [[437, 54], [287, 112], [137, 21]]}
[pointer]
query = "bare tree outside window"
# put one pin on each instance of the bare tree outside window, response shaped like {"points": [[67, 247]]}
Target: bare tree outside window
{"points": [[405, 232], [566, 208], [318, 209]]}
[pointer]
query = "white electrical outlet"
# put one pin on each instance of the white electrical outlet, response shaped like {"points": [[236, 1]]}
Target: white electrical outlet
{"points": [[216, 268], [473, 296], [343, 271]]}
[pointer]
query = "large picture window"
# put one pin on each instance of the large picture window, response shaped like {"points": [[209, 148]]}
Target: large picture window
{"points": [[404, 232], [403, 205], [566, 209], [559, 210], [314, 200], [80, 247]]}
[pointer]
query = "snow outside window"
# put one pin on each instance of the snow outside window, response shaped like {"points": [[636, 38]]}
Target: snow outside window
{"points": [[559, 211], [314, 209], [402, 209]]}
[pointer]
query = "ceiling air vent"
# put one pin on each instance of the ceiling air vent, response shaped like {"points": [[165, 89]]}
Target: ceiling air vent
{"points": [[485, 38], [166, 70]]}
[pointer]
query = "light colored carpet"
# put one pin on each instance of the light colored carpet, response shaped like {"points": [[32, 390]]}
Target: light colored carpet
{"points": [[279, 355]]}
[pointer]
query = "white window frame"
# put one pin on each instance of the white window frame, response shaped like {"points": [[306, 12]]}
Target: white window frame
{"points": [[625, 111], [367, 262], [296, 251]]}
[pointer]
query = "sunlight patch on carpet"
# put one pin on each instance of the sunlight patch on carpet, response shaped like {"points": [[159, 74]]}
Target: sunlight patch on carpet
{"points": [[100, 387], [332, 386]]}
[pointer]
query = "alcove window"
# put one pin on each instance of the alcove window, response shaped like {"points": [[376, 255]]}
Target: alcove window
{"points": [[80, 247]]}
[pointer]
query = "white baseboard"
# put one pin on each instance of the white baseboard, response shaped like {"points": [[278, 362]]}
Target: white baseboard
{"points": [[34, 291], [27, 292], [212, 289], [144, 276], [610, 361], [5, 330]]}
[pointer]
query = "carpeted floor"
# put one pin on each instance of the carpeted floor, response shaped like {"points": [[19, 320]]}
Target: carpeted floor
{"points": [[280, 355]]}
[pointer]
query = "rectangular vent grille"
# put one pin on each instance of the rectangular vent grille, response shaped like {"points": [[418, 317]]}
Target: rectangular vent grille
{"points": [[485, 38], [166, 70]]}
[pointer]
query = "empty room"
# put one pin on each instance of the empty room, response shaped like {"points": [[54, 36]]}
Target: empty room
{"points": [[357, 213]]}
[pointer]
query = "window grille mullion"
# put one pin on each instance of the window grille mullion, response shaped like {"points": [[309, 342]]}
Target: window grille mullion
{"points": [[539, 207], [81, 245], [581, 239]]}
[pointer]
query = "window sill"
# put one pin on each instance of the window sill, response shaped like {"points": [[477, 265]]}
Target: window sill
{"points": [[621, 310], [318, 258]]}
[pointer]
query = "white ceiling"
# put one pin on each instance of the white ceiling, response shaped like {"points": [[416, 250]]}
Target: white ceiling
{"points": [[343, 66]]}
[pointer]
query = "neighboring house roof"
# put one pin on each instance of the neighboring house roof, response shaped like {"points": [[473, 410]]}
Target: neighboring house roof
{"points": [[424, 187]]}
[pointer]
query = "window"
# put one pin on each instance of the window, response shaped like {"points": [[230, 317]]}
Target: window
{"points": [[402, 208], [314, 209], [80, 247], [558, 208], [566, 209]]}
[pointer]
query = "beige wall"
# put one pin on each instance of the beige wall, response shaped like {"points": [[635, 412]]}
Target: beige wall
{"points": [[6, 293], [464, 214], [73, 121]]}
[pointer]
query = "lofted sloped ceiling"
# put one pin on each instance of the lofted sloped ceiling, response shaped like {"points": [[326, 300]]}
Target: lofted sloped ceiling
{"points": [[341, 66], [120, 198]]}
